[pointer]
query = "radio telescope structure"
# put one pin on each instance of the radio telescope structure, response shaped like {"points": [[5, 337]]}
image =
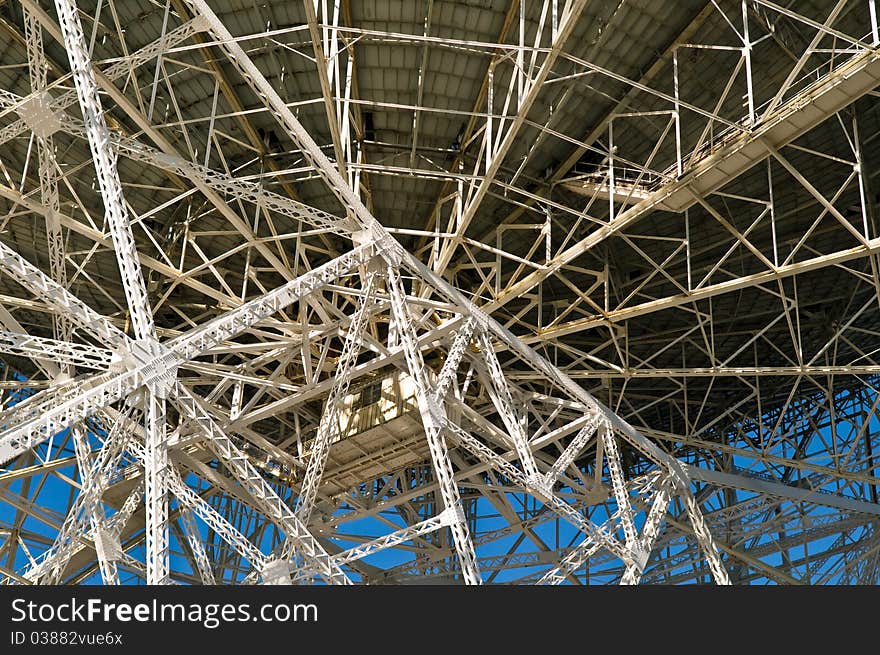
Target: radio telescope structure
{"points": [[439, 291]]}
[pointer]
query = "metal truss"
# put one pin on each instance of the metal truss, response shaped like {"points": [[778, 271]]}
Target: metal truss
{"points": [[48, 169], [603, 313]]}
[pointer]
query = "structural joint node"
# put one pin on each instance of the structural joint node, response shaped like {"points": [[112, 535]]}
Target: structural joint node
{"points": [[158, 365], [538, 485], [62, 377], [640, 556], [39, 116], [363, 237], [452, 515], [107, 545], [276, 572]]}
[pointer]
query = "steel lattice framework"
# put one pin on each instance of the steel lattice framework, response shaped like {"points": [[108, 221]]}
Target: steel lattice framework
{"points": [[466, 291]]}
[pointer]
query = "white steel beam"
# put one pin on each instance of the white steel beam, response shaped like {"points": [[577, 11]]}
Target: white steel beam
{"points": [[704, 537], [499, 391], [105, 166], [58, 411], [329, 425], [434, 420], [322, 63], [299, 539], [793, 493], [870, 247], [570, 563], [62, 352], [61, 300], [571, 452], [650, 531], [445, 518], [48, 170], [194, 539], [156, 468], [618, 485]]}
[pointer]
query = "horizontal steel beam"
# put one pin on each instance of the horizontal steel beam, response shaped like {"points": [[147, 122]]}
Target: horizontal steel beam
{"points": [[652, 306], [780, 490], [818, 102]]}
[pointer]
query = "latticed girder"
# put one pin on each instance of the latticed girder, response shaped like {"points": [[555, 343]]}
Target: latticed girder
{"points": [[57, 411], [295, 389], [298, 539], [433, 418], [194, 541], [104, 160], [330, 423], [430, 391], [60, 351], [48, 169]]}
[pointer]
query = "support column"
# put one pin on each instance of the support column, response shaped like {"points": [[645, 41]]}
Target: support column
{"points": [[329, 424], [618, 485], [48, 170], [434, 418], [704, 538], [633, 573], [104, 158], [94, 512], [193, 538], [155, 491]]}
